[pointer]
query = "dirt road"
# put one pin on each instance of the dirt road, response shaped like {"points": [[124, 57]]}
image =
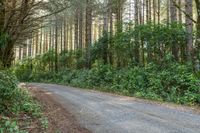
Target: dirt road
{"points": [[107, 113]]}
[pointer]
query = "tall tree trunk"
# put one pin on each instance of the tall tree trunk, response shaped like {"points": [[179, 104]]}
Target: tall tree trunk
{"points": [[61, 37], [180, 12], [100, 27], [20, 52], [159, 11], [81, 29], [136, 47], [198, 32], [50, 37], [53, 38], [189, 27], [71, 37], [105, 33], [41, 39], [173, 16], [76, 28], [65, 35], [56, 47], [111, 33], [119, 12], [36, 43], [30, 47], [88, 30], [154, 11], [150, 10], [147, 10], [168, 11], [25, 51]]}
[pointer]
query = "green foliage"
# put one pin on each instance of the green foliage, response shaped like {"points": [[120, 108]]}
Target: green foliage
{"points": [[8, 89], [8, 126], [156, 40], [44, 122], [3, 39], [172, 82], [23, 70], [136, 62], [100, 49], [13, 103]]}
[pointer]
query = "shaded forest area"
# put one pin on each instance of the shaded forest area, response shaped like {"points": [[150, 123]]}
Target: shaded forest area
{"points": [[143, 48]]}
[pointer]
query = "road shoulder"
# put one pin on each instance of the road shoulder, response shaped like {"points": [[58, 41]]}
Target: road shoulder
{"points": [[59, 118]]}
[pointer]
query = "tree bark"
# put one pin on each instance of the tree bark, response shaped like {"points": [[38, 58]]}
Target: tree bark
{"points": [[76, 26], [88, 31], [189, 28], [173, 16]]}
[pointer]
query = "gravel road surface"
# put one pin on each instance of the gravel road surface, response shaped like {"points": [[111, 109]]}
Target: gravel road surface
{"points": [[107, 113]]}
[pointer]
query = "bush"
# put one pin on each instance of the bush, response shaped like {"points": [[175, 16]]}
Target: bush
{"points": [[14, 102], [8, 90], [173, 82]]}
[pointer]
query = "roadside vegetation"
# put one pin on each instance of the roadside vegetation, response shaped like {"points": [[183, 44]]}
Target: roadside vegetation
{"points": [[19, 112], [143, 48], [160, 77]]}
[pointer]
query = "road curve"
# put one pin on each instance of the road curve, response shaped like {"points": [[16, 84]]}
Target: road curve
{"points": [[106, 113]]}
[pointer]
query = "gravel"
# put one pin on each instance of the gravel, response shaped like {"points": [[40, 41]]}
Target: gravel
{"points": [[107, 113]]}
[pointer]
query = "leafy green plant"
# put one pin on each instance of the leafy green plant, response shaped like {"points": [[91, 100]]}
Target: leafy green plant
{"points": [[45, 123], [8, 126], [8, 90], [13, 103]]}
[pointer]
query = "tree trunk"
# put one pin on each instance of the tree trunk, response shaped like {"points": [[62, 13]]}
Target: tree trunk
{"points": [[25, 51], [150, 10], [168, 11], [159, 11], [198, 31], [147, 10], [154, 11], [111, 33], [180, 12], [88, 30], [61, 38], [41, 37], [173, 16], [76, 20], [189, 28], [81, 29], [56, 47], [136, 47], [119, 15]]}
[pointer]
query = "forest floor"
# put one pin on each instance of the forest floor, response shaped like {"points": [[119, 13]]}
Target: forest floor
{"points": [[69, 109], [60, 120]]}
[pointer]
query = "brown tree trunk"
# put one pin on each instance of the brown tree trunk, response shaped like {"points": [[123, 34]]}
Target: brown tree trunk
{"points": [[159, 11], [81, 29], [41, 38], [56, 47], [173, 16], [147, 10], [88, 31], [111, 33], [136, 47], [76, 28], [198, 32], [189, 27], [154, 11]]}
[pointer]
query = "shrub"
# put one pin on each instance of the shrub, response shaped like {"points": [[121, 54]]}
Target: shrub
{"points": [[14, 102], [8, 90]]}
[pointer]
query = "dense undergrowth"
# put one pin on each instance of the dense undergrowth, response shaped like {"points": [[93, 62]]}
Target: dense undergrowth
{"points": [[136, 62], [17, 108], [172, 82]]}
